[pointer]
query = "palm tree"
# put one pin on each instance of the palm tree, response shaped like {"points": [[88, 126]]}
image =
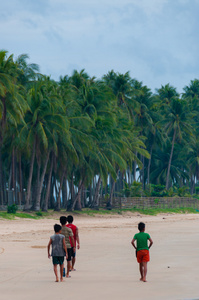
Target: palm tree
{"points": [[43, 122], [12, 103], [177, 122]]}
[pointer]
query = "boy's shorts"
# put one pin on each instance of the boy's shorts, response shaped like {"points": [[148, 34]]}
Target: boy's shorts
{"points": [[58, 260], [71, 253], [143, 256]]}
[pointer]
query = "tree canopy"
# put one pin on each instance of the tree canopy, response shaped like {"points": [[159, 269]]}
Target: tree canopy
{"points": [[70, 142]]}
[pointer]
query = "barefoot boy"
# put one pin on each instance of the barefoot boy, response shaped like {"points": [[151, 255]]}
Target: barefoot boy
{"points": [[69, 240], [59, 250], [76, 239], [142, 249]]}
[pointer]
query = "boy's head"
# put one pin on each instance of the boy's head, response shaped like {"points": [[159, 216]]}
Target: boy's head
{"points": [[63, 220], [141, 226], [70, 219], [57, 228]]}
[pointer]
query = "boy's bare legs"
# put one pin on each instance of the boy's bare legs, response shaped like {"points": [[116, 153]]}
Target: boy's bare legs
{"points": [[73, 263], [61, 272], [143, 271], [55, 271], [68, 268]]}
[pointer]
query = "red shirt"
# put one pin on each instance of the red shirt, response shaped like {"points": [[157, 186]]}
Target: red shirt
{"points": [[74, 229]]}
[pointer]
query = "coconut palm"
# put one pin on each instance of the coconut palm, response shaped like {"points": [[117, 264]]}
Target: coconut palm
{"points": [[12, 102], [177, 123]]}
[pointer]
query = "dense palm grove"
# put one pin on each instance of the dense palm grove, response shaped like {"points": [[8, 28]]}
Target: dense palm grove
{"points": [[73, 142]]}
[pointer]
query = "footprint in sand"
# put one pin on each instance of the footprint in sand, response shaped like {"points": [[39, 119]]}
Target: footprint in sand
{"points": [[2, 250]]}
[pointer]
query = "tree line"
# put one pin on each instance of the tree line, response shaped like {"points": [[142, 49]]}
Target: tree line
{"points": [[70, 142]]}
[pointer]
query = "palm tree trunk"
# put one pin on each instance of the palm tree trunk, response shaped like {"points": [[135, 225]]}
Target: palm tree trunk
{"points": [[111, 194], [37, 205], [170, 159], [112, 190], [96, 196], [60, 189], [90, 195], [64, 193], [72, 190], [1, 177], [20, 181], [13, 169], [78, 196], [149, 166], [192, 183], [48, 187], [143, 166], [134, 168], [27, 205]]}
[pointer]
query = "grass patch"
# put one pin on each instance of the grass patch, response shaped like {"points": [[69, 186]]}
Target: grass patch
{"points": [[22, 215], [156, 211], [146, 211], [94, 212]]}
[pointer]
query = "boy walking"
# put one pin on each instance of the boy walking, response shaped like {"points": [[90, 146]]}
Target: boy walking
{"points": [[70, 243], [59, 250], [142, 249], [76, 239]]}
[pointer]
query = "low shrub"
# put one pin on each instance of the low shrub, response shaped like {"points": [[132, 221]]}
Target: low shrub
{"points": [[12, 209]]}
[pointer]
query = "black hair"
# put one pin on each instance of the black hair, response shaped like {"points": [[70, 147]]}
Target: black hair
{"points": [[63, 220], [70, 219], [141, 226], [57, 228]]}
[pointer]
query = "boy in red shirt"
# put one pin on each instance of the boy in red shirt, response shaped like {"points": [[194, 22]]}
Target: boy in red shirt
{"points": [[142, 249], [76, 238]]}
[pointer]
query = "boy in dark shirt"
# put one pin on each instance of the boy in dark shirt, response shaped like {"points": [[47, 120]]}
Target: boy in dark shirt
{"points": [[59, 250], [142, 249]]}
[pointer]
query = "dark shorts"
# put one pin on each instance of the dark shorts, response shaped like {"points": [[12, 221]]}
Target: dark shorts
{"points": [[71, 254], [58, 260]]}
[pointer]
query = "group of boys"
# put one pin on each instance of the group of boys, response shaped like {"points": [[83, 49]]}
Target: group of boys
{"points": [[63, 244]]}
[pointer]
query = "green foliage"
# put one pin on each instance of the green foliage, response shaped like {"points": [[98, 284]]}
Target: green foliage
{"points": [[12, 209], [183, 192], [94, 128], [22, 215], [156, 201], [197, 190], [172, 192], [39, 213], [158, 190], [133, 190]]}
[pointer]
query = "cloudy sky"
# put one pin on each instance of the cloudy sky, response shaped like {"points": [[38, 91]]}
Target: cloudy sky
{"points": [[156, 40]]}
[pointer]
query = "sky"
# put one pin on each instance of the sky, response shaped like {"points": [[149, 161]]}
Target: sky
{"points": [[157, 41]]}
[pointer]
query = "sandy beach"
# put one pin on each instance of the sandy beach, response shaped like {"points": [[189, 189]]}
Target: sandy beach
{"points": [[106, 264]]}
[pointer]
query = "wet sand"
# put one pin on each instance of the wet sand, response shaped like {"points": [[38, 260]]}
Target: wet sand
{"points": [[106, 264]]}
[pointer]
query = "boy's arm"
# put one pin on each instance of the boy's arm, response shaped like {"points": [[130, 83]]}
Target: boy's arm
{"points": [[150, 243], [133, 243], [73, 242], [65, 248], [77, 238], [50, 242]]}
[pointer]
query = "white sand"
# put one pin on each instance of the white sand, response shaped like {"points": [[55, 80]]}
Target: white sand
{"points": [[106, 263]]}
